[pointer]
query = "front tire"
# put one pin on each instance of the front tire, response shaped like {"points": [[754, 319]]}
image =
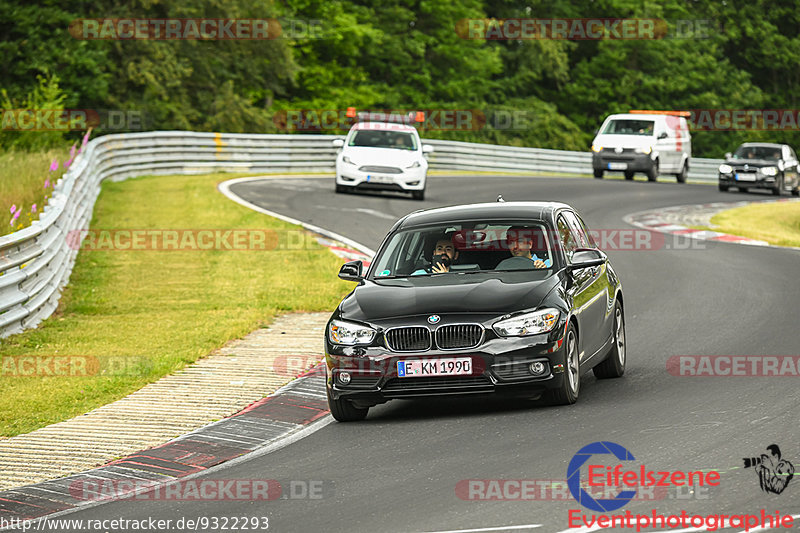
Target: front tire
{"points": [[341, 189], [598, 173], [722, 188], [570, 388], [628, 175], [778, 187], [684, 173], [343, 410], [614, 364], [796, 192], [652, 174], [742, 189], [418, 195]]}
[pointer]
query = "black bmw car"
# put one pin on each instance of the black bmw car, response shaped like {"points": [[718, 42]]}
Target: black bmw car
{"points": [[761, 166], [509, 297]]}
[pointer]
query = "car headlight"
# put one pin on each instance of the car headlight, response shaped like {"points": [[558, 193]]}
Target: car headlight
{"points": [[769, 171], [596, 148], [349, 334], [645, 150], [347, 160], [415, 165], [533, 323], [725, 169]]}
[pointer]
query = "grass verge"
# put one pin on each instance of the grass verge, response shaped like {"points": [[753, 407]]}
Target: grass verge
{"points": [[159, 310], [777, 223], [22, 184]]}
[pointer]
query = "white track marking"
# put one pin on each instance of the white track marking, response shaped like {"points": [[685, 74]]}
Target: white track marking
{"points": [[498, 528]]}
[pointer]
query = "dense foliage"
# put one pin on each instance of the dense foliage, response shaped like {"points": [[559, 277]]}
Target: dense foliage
{"points": [[405, 54]]}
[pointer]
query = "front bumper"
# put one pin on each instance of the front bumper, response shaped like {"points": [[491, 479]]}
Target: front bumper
{"points": [[633, 162], [409, 179], [500, 365], [755, 180]]}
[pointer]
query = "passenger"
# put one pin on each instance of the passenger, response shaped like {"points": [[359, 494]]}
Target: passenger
{"points": [[520, 243]]}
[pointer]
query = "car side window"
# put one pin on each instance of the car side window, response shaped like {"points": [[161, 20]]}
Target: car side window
{"points": [[581, 236], [566, 238]]}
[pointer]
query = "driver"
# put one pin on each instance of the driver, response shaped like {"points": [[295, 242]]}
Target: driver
{"points": [[444, 253], [400, 142], [520, 245]]}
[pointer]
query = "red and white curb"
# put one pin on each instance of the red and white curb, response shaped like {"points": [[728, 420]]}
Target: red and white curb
{"points": [[291, 413], [677, 220]]}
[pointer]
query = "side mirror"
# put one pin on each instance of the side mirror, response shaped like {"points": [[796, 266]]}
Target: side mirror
{"points": [[351, 271], [337, 143], [427, 149], [728, 155], [663, 135], [585, 258]]}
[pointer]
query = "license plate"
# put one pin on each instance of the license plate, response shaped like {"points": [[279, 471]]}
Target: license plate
{"points": [[617, 166], [459, 366], [379, 179], [745, 176]]}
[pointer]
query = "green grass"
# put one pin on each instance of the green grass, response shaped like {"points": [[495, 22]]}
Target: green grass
{"points": [[777, 223], [22, 179], [164, 309]]}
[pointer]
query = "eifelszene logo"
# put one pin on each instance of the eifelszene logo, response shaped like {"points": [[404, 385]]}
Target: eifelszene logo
{"points": [[616, 476], [774, 473], [574, 477]]}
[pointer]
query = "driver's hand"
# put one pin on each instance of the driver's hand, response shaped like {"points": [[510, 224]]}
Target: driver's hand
{"points": [[439, 268], [539, 264]]}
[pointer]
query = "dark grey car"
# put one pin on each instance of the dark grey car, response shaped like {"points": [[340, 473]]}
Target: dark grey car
{"points": [[761, 166]]}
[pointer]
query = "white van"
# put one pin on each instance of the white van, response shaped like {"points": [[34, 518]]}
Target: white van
{"points": [[653, 142]]}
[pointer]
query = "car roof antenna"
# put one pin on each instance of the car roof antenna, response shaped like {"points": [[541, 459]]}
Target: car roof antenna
{"points": [[500, 198]]}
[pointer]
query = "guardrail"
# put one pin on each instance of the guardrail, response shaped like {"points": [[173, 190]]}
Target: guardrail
{"points": [[453, 155], [36, 262]]}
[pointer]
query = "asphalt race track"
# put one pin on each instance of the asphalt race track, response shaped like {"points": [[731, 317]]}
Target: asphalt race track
{"points": [[398, 470]]}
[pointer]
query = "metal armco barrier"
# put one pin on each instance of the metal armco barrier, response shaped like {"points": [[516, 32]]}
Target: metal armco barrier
{"points": [[36, 262]]}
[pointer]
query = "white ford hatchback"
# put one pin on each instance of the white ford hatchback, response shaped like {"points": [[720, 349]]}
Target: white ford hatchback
{"points": [[382, 155]]}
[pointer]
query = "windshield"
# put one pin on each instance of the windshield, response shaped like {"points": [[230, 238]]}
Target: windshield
{"points": [[629, 127], [757, 152], [465, 247], [399, 140]]}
